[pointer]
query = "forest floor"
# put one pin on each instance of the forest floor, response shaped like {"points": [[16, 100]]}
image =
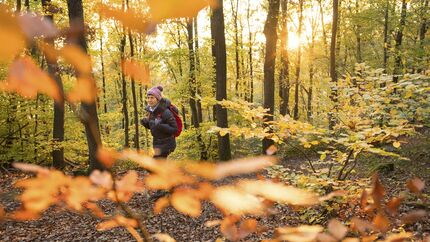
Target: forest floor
{"points": [[58, 224]]}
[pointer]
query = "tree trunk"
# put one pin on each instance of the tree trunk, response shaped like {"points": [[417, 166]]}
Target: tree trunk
{"points": [[333, 71], [192, 85], [269, 64], [251, 64], [399, 40], [234, 10], [124, 96], [18, 6], [219, 54], [386, 45], [91, 122], [422, 35], [198, 81], [103, 68], [358, 35], [58, 126], [324, 33], [299, 56], [133, 93], [284, 74]]}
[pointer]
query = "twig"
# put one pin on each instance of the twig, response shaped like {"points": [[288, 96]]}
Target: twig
{"points": [[345, 164], [353, 166], [301, 151]]}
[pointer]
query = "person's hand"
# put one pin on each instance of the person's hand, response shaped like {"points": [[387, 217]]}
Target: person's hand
{"points": [[157, 121]]}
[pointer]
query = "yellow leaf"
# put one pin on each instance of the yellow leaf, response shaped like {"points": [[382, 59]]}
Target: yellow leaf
{"points": [[243, 166], [396, 144], [186, 202], [77, 58], [161, 204], [12, 40], [337, 229], [27, 79], [164, 237], [234, 201], [168, 9], [302, 233], [137, 71], [85, 91], [279, 192], [117, 221], [130, 19]]}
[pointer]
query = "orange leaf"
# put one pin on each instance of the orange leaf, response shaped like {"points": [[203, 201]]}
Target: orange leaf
{"points": [[167, 9], [27, 79], [381, 222], [213, 223], [129, 18], [324, 237], [117, 221], [85, 91], [186, 202], [95, 210], [378, 191], [22, 215], [337, 229], [107, 157], [234, 201], [2, 213], [134, 233], [161, 204], [394, 204], [271, 150], [49, 50], [243, 166], [361, 226], [164, 237], [11, 38], [30, 168], [127, 186], [279, 192], [416, 185], [404, 236], [77, 58], [102, 178], [299, 234], [363, 199], [247, 227], [228, 227], [413, 216], [137, 71]]}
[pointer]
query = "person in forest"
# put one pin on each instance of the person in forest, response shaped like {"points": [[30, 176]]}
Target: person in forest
{"points": [[161, 122]]}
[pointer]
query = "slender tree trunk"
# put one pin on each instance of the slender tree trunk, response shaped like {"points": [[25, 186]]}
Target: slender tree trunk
{"points": [[422, 34], [133, 93], [333, 71], [58, 127], [27, 5], [324, 33], [386, 44], [91, 122], [103, 68], [269, 64], [192, 84], [311, 74], [299, 56], [219, 54], [198, 81], [18, 6], [124, 96], [251, 64], [234, 10], [358, 35], [284, 74], [399, 40]]}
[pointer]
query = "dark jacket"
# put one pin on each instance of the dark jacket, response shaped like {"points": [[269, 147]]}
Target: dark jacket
{"points": [[163, 127]]}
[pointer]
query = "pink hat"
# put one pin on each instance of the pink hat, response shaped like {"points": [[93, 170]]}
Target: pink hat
{"points": [[156, 92]]}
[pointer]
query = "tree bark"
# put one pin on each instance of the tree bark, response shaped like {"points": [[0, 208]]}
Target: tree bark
{"points": [[124, 97], [198, 81], [299, 56], [133, 93], [219, 54], [269, 64], [91, 122], [399, 40], [234, 10], [333, 71], [251, 64], [386, 44], [58, 126], [284, 74]]}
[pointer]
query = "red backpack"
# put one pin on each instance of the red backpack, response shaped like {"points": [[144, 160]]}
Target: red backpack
{"points": [[178, 119]]}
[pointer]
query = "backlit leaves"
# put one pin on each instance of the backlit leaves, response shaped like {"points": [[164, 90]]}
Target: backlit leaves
{"points": [[167, 9], [11, 34], [27, 79], [117, 221], [416, 185], [137, 71], [186, 202], [235, 201], [302, 233]]}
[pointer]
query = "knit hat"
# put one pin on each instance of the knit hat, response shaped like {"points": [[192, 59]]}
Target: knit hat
{"points": [[156, 92]]}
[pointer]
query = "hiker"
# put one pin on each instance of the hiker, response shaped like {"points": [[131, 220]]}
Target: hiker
{"points": [[161, 121]]}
